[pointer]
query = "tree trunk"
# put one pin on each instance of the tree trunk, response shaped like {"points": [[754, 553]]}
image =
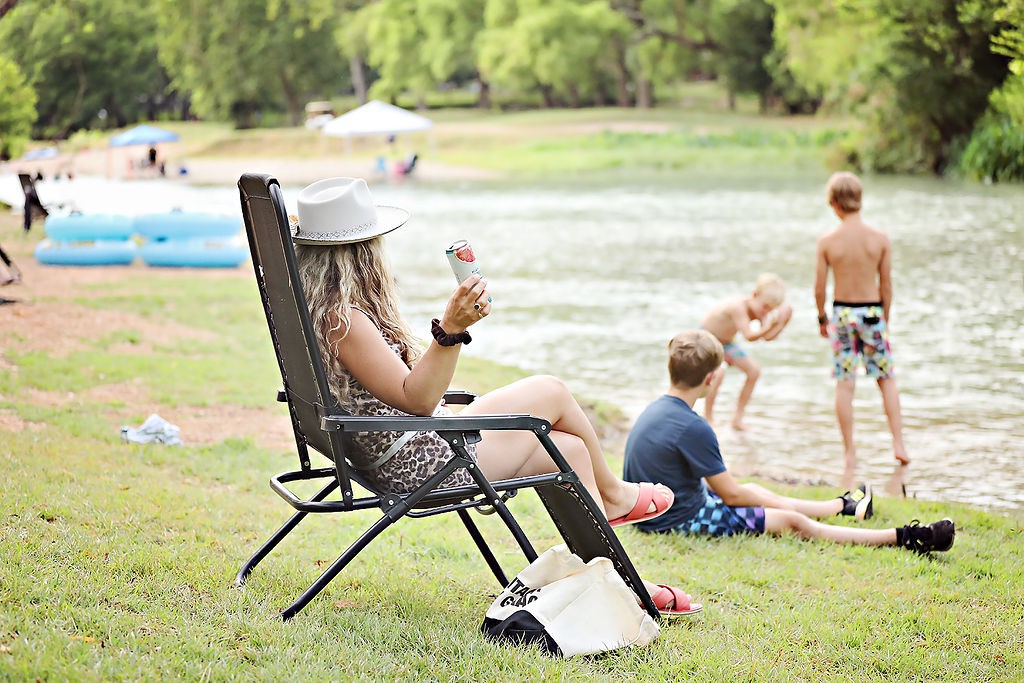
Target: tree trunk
{"points": [[483, 100], [622, 81], [6, 6], [356, 66], [644, 93], [294, 107], [730, 99], [546, 95]]}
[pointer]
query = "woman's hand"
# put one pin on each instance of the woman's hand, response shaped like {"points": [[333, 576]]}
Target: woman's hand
{"points": [[469, 304]]}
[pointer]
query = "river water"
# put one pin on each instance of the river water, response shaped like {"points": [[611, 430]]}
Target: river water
{"points": [[591, 280]]}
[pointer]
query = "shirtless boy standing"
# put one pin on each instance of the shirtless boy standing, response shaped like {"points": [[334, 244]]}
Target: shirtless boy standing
{"points": [[860, 258], [733, 318]]}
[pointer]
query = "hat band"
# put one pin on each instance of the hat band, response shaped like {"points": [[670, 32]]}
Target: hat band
{"points": [[336, 234]]}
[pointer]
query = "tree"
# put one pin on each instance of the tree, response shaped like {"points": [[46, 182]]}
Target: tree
{"points": [[917, 73], [17, 109], [743, 30], [1009, 100], [83, 57], [450, 49], [570, 51], [671, 39], [240, 58], [395, 34], [349, 29]]}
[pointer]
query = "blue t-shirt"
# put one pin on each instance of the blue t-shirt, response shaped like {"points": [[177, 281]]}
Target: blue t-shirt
{"points": [[672, 445]]}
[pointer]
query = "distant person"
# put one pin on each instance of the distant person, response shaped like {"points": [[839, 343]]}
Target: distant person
{"points": [[671, 444], [10, 273], [860, 259], [152, 157], [731, 319], [33, 205]]}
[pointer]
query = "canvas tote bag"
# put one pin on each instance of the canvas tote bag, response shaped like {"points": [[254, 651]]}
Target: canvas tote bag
{"points": [[569, 607]]}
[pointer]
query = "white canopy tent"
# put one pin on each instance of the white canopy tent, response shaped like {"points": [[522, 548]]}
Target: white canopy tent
{"points": [[377, 118]]}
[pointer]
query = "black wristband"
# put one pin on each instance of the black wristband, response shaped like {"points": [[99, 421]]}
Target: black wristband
{"points": [[822, 319], [445, 339]]}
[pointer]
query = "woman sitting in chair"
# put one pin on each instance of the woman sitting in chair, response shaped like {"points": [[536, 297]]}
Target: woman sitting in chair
{"points": [[375, 366]]}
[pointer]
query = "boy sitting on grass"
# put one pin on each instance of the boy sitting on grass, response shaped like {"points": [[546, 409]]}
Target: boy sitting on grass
{"points": [[732, 318], [671, 444]]}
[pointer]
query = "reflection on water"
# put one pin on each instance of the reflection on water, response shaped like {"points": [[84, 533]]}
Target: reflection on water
{"points": [[591, 281]]}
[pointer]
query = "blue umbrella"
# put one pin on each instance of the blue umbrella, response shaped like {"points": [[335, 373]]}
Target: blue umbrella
{"points": [[142, 135]]}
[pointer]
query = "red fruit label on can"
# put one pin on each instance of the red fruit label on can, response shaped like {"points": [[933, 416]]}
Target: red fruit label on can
{"points": [[462, 260]]}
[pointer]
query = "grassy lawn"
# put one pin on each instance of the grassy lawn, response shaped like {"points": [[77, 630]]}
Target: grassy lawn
{"points": [[117, 560]]}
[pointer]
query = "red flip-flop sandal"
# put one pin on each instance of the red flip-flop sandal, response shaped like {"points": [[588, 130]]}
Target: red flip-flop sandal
{"points": [[681, 604], [648, 494]]}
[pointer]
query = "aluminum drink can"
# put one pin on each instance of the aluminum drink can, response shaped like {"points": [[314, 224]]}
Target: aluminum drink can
{"points": [[462, 260]]}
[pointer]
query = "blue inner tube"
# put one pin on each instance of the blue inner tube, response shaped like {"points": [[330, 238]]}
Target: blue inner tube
{"points": [[196, 253], [86, 253], [77, 227], [185, 224]]}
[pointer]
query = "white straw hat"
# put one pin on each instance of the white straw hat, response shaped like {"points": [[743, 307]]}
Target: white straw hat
{"points": [[340, 211]]}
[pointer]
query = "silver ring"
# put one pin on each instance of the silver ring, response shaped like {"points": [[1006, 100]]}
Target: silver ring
{"points": [[476, 307]]}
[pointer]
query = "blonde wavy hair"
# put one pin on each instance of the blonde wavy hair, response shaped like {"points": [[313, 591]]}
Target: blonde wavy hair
{"points": [[338, 278]]}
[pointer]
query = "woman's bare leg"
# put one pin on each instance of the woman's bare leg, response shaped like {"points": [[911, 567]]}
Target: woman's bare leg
{"points": [[507, 454]]}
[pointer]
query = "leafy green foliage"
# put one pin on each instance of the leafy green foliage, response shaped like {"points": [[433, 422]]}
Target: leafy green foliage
{"points": [[92, 63], [237, 58], [568, 50], [917, 72], [17, 109], [995, 152], [746, 27]]}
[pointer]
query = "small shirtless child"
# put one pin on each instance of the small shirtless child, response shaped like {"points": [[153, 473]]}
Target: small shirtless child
{"points": [[733, 318], [860, 259]]}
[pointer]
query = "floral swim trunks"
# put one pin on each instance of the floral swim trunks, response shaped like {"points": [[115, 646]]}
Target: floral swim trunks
{"points": [[858, 334]]}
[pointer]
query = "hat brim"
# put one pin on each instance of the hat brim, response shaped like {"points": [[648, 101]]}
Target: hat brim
{"points": [[388, 218]]}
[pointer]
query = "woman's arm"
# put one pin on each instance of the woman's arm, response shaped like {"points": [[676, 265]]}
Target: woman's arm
{"points": [[365, 354]]}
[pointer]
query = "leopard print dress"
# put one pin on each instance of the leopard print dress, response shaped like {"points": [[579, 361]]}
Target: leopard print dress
{"points": [[415, 462]]}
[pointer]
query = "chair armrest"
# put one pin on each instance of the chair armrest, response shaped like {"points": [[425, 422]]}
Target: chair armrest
{"points": [[448, 423], [458, 397]]}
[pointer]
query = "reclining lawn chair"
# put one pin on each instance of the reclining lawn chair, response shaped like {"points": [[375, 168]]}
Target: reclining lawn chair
{"points": [[319, 423]]}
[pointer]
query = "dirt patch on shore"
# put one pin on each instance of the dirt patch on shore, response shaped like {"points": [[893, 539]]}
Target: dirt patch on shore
{"points": [[48, 315]]}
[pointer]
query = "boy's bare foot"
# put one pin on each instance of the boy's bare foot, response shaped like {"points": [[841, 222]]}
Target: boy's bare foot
{"points": [[848, 479], [738, 425], [896, 486], [901, 457]]}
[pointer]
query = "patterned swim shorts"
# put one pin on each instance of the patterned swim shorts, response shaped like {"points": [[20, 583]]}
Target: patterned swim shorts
{"points": [[718, 519], [858, 334], [733, 351]]}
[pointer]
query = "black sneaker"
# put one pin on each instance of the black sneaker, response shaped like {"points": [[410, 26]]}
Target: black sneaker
{"points": [[924, 539], [857, 503]]}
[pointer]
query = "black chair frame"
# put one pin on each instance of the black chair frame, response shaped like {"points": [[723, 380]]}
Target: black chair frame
{"points": [[319, 423]]}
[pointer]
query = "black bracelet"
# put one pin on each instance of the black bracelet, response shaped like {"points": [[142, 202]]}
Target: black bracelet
{"points": [[445, 339], [822, 319]]}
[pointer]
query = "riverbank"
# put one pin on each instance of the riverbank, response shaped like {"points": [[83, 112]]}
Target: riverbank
{"points": [[117, 560], [696, 133]]}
